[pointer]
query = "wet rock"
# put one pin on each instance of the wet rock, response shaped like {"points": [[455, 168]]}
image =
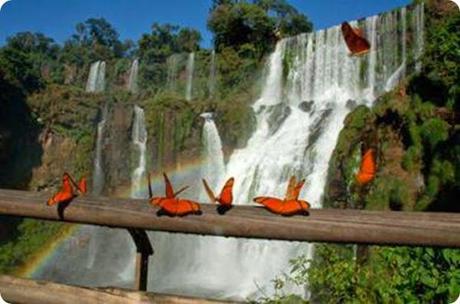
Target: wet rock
{"points": [[306, 106]]}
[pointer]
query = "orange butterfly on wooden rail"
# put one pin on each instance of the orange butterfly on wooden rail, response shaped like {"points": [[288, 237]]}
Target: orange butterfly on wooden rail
{"points": [[354, 38], [367, 169], [170, 204], [225, 197], [67, 192], [291, 204]]}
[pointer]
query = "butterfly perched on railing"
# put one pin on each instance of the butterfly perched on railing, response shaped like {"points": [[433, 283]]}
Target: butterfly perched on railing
{"points": [[225, 197], [355, 40], [67, 191], [170, 204], [367, 169], [291, 204]]}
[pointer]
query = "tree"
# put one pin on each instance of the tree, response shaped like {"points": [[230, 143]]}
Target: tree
{"points": [[238, 24], [260, 22], [24, 56]]}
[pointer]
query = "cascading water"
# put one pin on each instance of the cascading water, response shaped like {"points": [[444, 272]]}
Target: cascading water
{"points": [[173, 66], [311, 84], [139, 138], [132, 80], [98, 172], [189, 71], [96, 78], [212, 74], [213, 169]]}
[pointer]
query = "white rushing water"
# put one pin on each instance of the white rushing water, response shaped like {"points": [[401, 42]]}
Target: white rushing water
{"points": [[189, 71], [213, 169], [212, 74], [139, 139], [96, 78], [310, 85], [132, 80], [98, 172]]}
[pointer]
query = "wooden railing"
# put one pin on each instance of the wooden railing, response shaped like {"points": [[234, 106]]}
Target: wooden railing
{"points": [[321, 225]]}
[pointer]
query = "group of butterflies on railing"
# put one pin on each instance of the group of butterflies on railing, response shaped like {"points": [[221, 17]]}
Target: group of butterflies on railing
{"points": [[170, 204]]}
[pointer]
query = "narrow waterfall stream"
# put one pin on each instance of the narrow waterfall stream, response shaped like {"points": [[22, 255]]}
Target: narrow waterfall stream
{"points": [[96, 78], [133, 86], [189, 70]]}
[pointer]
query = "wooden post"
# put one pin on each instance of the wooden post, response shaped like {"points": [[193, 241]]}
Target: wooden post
{"points": [[143, 250]]}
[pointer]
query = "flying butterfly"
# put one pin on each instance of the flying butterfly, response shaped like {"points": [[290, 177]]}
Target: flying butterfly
{"points": [[225, 197], [290, 205], [367, 169], [355, 40]]}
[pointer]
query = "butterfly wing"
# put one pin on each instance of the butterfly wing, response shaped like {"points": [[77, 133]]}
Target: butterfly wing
{"points": [[226, 195], [293, 207], [185, 207], [65, 194], [356, 43], [297, 189], [273, 204], [180, 191], [169, 191], [290, 188], [82, 185], [209, 192], [149, 185], [368, 168]]}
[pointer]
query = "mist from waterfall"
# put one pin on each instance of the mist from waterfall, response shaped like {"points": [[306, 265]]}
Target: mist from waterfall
{"points": [[139, 139], [132, 80], [310, 84], [96, 78], [189, 72], [213, 169]]}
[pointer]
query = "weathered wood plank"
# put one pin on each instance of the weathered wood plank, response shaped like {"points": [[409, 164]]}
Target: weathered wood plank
{"points": [[322, 225], [23, 291]]}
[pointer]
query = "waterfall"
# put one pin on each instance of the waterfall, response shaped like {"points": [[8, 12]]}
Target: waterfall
{"points": [[308, 84], [173, 64], [132, 81], [98, 173], [213, 169], [139, 138], [419, 28], [189, 71], [212, 74], [96, 77]]}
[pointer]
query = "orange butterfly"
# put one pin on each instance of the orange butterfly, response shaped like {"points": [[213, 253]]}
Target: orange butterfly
{"points": [[290, 205], [368, 168], [67, 193], [354, 38], [172, 205], [225, 197]]}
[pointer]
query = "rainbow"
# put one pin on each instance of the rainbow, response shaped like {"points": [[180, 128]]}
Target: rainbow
{"points": [[49, 251]]}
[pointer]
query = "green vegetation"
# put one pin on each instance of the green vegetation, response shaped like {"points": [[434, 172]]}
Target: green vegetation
{"points": [[32, 237]]}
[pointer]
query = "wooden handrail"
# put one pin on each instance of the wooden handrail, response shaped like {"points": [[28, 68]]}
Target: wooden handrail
{"points": [[16, 290], [322, 225]]}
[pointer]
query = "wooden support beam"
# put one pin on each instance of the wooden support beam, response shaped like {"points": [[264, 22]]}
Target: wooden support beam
{"points": [[144, 249], [16, 290], [322, 225]]}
